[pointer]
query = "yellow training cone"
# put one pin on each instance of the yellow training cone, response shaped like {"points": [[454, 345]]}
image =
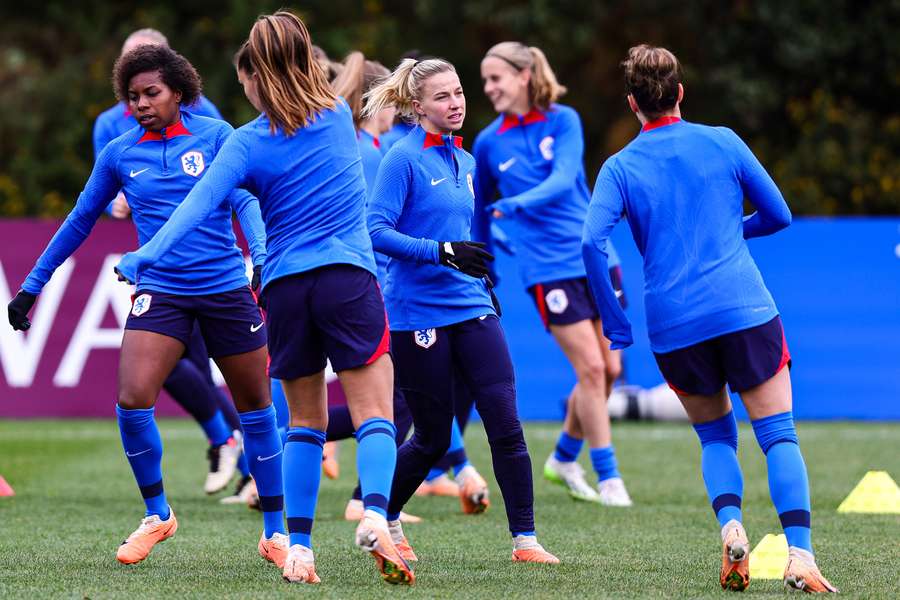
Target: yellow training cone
{"points": [[876, 493], [769, 558]]}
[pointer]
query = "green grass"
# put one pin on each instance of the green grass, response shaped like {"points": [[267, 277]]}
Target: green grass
{"points": [[76, 501]]}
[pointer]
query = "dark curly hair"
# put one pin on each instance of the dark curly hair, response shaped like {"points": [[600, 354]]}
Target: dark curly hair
{"points": [[174, 69]]}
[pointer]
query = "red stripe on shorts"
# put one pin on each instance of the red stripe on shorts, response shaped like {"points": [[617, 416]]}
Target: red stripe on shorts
{"points": [[384, 345], [676, 390], [785, 353], [541, 304]]}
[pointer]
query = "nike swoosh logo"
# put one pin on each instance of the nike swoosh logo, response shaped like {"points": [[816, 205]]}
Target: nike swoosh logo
{"points": [[507, 164], [437, 181], [130, 455], [265, 458], [255, 328], [136, 173]]}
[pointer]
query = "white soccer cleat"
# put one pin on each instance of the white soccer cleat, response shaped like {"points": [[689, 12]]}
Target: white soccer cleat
{"points": [[300, 565], [243, 492], [571, 476], [223, 462], [612, 492]]}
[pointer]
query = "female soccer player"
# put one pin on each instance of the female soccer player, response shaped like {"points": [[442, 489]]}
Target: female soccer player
{"points": [[300, 158], [710, 318], [533, 154], [201, 281], [357, 77], [190, 383], [443, 321]]}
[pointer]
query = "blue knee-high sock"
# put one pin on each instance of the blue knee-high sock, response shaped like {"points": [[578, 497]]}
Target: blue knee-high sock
{"points": [[216, 429], [302, 474], [143, 448], [721, 469], [788, 483], [263, 447], [376, 459], [604, 462], [567, 448], [282, 412]]}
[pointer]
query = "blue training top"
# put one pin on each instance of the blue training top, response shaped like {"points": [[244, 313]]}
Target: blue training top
{"points": [[311, 192], [116, 120], [682, 188], [424, 194], [156, 171], [371, 153], [536, 162], [399, 131]]}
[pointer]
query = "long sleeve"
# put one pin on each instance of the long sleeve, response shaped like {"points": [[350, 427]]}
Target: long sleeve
{"points": [[389, 194], [772, 212], [224, 174], [246, 206], [485, 191], [101, 187], [568, 150], [605, 211]]}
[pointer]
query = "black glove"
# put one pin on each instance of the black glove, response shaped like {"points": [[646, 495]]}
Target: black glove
{"points": [[468, 257], [18, 310], [256, 279]]}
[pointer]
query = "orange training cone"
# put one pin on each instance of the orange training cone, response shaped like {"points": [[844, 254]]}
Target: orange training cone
{"points": [[5, 488]]}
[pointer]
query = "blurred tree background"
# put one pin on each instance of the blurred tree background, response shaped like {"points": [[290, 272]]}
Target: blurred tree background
{"points": [[813, 86]]}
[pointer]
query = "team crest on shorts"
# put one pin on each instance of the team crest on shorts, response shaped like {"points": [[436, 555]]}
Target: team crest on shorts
{"points": [[425, 337], [141, 305], [471, 184], [557, 301], [192, 163], [546, 147]]}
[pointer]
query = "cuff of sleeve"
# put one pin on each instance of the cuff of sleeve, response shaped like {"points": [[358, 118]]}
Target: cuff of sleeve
{"points": [[435, 252]]}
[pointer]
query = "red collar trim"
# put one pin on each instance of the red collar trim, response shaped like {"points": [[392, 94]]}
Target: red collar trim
{"points": [[173, 131], [510, 121], [434, 139], [376, 142], [660, 122], [127, 111]]}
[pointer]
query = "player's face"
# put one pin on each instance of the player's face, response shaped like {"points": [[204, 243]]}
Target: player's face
{"points": [[384, 119], [504, 86], [251, 89], [154, 104], [443, 103]]}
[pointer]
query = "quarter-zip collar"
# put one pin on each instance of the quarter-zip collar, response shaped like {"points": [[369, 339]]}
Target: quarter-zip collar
{"points": [[178, 129], [510, 121]]}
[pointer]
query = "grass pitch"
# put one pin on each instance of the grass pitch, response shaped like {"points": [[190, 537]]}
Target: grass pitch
{"points": [[76, 501]]}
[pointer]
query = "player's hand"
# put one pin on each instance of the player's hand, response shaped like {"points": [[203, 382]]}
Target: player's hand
{"points": [[468, 257], [18, 310], [120, 208], [126, 270], [257, 278], [503, 208]]}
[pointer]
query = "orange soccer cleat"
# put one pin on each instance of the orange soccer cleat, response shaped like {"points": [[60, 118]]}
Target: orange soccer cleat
{"points": [[735, 574], [400, 542], [151, 531], [330, 466], [440, 486], [473, 491], [274, 549], [372, 535], [527, 549], [802, 573]]}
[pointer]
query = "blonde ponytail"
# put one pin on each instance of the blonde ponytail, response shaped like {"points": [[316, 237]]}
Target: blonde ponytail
{"points": [[403, 86], [543, 88]]}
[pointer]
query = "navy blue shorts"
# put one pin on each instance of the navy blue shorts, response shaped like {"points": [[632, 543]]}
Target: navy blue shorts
{"points": [[569, 301], [335, 312], [230, 322], [744, 359]]}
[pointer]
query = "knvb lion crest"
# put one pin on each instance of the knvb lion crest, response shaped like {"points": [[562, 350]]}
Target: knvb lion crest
{"points": [[192, 163], [141, 305], [425, 337], [557, 301]]}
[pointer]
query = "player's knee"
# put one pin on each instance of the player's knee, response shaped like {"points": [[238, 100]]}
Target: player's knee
{"points": [[131, 398], [513, 443], [432, 444], [613, 370], [592, 372]]}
